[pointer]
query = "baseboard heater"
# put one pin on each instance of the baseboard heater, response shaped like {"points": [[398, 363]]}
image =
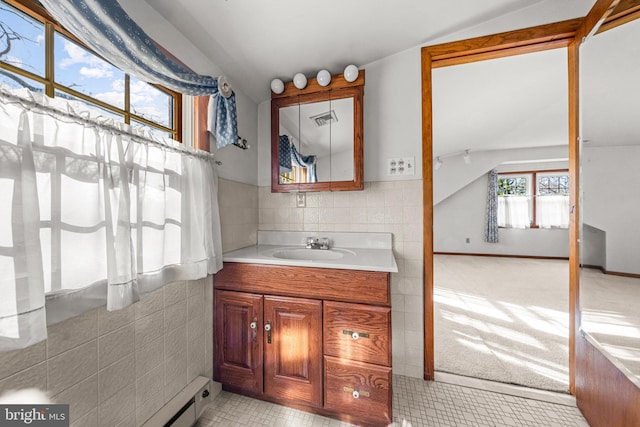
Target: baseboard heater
{"points": [[187, 406]]}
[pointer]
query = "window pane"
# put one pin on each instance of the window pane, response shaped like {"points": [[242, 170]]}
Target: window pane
{"points": [[94, 109], [80, 70], [15, 81], [553, 184], [159, 133], [512, 186], [21, 40], [151, 103]]}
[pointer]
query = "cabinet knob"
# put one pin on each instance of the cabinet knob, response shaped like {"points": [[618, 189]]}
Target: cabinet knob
{"points": [[355, 336], [253, 325], [267, 327], [355, 394]]}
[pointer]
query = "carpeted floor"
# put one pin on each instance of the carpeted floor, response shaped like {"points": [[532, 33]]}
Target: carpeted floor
{"points": [[503, 319]]}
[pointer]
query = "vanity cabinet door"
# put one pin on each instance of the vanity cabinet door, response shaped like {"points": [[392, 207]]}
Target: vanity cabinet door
{"points": [[238, 340], [293, 350]]}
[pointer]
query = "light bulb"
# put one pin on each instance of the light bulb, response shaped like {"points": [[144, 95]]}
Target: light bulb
{"points": [[300, 81], [324, 77], [277, 86], [351, 73]]}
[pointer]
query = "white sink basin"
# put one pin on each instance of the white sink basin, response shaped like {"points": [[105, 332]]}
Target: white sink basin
{"points": [[310, 254]]}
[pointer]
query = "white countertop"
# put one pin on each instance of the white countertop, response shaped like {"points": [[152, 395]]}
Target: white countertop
{"points": [[360, 251]]}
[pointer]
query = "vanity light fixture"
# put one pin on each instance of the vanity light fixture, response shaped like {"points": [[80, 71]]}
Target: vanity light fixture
{"points": [[300, 81], [323, 77], [351, 73], [467, 157], [277, 86]]}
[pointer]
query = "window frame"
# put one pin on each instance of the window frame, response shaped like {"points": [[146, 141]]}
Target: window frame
{"points": [[38, 13], [533, 187]]}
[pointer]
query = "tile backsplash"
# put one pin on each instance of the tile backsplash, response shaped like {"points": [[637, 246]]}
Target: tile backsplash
{"points": [[118, 368]]}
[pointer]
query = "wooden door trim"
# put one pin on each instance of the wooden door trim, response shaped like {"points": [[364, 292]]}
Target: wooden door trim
{"points": [[544, 37]]}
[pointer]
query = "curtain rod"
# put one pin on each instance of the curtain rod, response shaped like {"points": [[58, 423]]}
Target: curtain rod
{"points": [[34, 104]]}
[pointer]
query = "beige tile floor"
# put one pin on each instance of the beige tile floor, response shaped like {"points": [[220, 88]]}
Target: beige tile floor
{"points": [[420, 402]]}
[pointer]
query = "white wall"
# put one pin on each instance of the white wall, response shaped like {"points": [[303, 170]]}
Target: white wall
{"points": [[611, 202]]}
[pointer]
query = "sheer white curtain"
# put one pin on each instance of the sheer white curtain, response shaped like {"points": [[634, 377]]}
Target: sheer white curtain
{"points": [[92, 214], [553, 211], [513, 211]]}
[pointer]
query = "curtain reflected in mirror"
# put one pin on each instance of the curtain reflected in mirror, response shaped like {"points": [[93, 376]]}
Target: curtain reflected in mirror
{"points": [[610, 175]]}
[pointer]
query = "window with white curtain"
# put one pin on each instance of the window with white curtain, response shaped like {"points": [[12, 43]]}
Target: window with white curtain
{"points": [[97, 205], [535, 199]]}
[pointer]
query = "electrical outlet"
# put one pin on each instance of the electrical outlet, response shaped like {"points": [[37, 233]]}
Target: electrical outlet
{"points": [[401, 166]]}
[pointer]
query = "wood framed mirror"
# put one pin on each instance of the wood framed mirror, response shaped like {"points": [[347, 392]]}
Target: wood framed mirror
{"points": [[610, 275], [317, 137]]}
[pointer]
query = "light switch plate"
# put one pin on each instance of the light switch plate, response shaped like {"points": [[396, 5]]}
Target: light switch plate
{"points": [[301, 200], [401, 166]]}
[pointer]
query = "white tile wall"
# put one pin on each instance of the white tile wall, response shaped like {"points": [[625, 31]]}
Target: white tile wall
{"points": [[395, 207], [238, 214], [118, 368]]}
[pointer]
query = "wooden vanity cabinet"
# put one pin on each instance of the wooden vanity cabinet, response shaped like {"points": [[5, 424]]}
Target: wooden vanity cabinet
{"points": [[268, 345], [327, 347]]}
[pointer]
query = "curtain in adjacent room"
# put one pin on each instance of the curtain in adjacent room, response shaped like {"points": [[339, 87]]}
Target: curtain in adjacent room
{"points": [[553, 211], [110, 32], [491, 229], [513, 211], [93, 213]]}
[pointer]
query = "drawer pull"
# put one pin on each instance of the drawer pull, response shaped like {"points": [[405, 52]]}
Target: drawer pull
{"points": [[355, 335], [356, 393]]}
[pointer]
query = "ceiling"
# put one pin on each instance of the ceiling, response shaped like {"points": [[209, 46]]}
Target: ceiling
{"points": [[512, 102], [519, 101], [253, 42]]}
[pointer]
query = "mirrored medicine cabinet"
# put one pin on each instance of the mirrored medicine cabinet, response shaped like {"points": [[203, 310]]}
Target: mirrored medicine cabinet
{"points": [[316, 137]]}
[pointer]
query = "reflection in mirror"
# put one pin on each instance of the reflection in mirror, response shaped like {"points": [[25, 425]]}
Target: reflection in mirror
{"points": [[610, 251], [501, 308], [316, 142]]}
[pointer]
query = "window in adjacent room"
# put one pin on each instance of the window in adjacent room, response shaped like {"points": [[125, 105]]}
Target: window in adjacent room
{"points": [[533, 199], [37, 54]]}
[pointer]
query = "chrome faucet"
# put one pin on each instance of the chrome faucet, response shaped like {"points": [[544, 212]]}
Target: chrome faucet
{"points": [[317, 243]]}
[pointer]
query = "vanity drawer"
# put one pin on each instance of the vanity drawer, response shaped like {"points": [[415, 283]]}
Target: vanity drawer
{"points": [[361, 390], [372, 325]]}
